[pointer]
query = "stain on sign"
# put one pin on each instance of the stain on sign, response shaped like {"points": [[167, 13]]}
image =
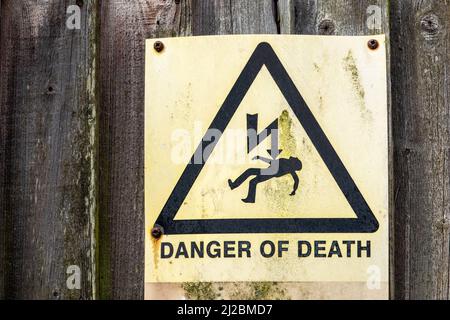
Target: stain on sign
{"points": [[266, 159]]}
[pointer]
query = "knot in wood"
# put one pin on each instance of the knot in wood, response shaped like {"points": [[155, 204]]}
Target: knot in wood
{"points": [[429, 25], [326, 27]]}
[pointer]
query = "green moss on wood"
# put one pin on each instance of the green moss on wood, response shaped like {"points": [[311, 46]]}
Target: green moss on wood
{"points": [[200, 291]]}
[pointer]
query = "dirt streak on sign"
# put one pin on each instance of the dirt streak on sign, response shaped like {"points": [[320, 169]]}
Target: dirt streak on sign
{"points": [[266, 159]]}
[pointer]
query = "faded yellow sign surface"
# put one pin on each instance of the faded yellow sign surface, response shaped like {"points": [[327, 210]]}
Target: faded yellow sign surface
{"points": [[266, 159]]}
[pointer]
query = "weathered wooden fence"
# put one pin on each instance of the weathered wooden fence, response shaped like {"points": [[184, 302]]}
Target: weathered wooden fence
{"points": [[71, 135]]}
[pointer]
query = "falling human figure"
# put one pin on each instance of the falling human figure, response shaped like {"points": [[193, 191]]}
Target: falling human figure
{"points": [[277, 168]]}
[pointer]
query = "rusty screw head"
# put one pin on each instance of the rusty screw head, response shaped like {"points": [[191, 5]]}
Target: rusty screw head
{"points": [[158, 46], [373, 44], [157, 232]]}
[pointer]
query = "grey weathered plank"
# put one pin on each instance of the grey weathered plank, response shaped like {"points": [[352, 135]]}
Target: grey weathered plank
{"points": [[347, 17], [125, 26], [285, 16], [421, 113], [233, 17], [47, 115]]}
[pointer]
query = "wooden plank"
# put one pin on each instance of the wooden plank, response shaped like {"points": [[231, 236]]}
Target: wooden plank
{"points": [[48, 112], [286, 16], [233, 17], [348, 17], [420, 96], [125, 26]]}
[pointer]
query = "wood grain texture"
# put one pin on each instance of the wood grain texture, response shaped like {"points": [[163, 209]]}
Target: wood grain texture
{"points": [[47, 113], [125, 26], [233, 17], [345, 17], [285, 16], [420, 90]]}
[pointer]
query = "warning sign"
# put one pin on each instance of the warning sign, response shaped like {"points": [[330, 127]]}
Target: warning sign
{"points": [[266, 159]]}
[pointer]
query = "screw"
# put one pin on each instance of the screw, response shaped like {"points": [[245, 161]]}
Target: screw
{"points": [[373, 44], [157, 232], [158, 46]]}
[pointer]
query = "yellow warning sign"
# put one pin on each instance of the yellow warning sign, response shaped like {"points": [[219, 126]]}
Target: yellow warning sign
{"points": [[266, 159]]}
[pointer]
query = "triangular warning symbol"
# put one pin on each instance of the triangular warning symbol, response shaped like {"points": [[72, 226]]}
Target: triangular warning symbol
{"points": [[365, 221]]}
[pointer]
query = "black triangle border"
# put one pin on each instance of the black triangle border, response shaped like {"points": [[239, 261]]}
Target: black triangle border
{"points": [[365, 221]]}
